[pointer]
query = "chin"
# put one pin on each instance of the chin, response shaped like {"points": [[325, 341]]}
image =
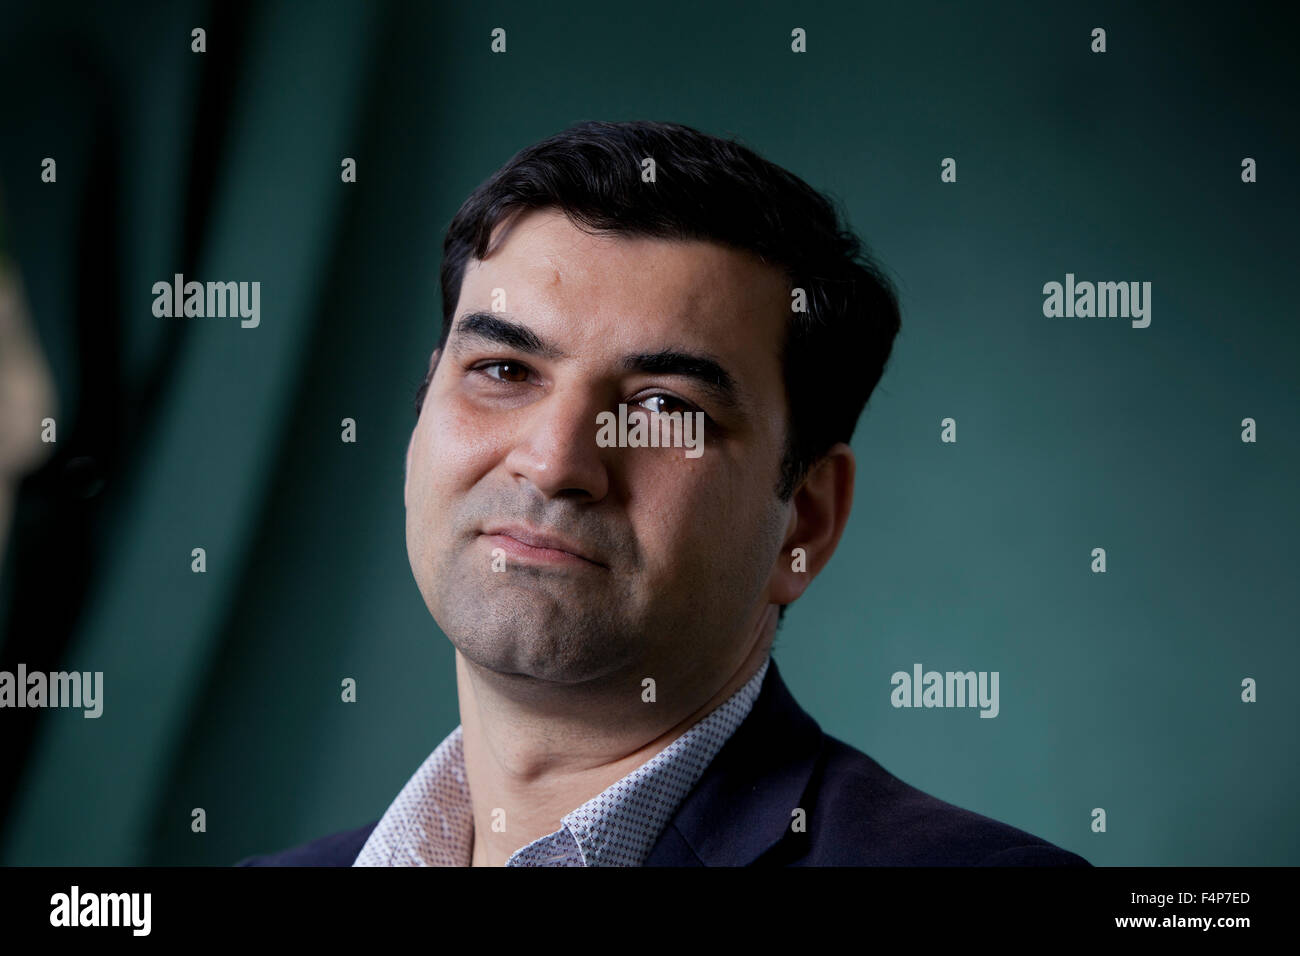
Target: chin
{"points": [[534, 644]]}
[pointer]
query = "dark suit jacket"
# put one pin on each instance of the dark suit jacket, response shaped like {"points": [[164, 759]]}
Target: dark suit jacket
{"points": [[740, 812]]}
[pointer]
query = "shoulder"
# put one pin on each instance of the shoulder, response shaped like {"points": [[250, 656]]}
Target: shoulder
{"points": [[863, 815], [337, 849]]}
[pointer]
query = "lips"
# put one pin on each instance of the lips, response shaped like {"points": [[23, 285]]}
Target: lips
{"points": [[540, 539]]}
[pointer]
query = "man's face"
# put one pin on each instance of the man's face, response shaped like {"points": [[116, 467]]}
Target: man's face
{"points": [[679, 551]]}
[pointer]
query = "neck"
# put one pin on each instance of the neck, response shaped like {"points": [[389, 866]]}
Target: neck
{"points": [[537, 750]]}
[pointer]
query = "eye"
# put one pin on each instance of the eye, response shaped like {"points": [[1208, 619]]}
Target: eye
{"points": [[509, 372], [666, 404]]}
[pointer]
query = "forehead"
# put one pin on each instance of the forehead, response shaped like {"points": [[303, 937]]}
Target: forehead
{"points": [[596, 293]]}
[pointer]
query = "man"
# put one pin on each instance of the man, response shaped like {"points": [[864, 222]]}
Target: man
{"points": [[613, 600]]}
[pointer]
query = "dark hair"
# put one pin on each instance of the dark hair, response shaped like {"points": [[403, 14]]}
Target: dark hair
{"points": [[716, 190]]}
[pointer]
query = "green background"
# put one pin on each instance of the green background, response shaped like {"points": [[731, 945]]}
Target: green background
{"points": [[1119, 691]]}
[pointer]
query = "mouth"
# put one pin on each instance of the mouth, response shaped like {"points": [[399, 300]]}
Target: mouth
{"points": [[534, 546]]}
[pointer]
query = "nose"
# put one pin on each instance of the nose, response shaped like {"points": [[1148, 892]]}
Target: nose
{"points": [[556, 448]]}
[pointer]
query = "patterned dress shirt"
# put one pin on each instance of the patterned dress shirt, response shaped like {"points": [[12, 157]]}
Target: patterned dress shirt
{"points": [[431, 822]]}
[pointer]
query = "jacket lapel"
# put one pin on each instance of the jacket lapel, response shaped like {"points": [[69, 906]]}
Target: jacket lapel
{"points": [[742, 805]]}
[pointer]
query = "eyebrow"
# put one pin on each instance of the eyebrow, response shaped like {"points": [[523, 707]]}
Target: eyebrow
{"points": [[494, 329], [706, 371]]}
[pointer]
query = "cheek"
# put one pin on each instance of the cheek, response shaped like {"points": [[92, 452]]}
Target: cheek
{"points": [[453, 447], [431, 484], [695, 516]]}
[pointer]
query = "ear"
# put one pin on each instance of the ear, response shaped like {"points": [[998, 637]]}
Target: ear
{"points": [[819, 510]]}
